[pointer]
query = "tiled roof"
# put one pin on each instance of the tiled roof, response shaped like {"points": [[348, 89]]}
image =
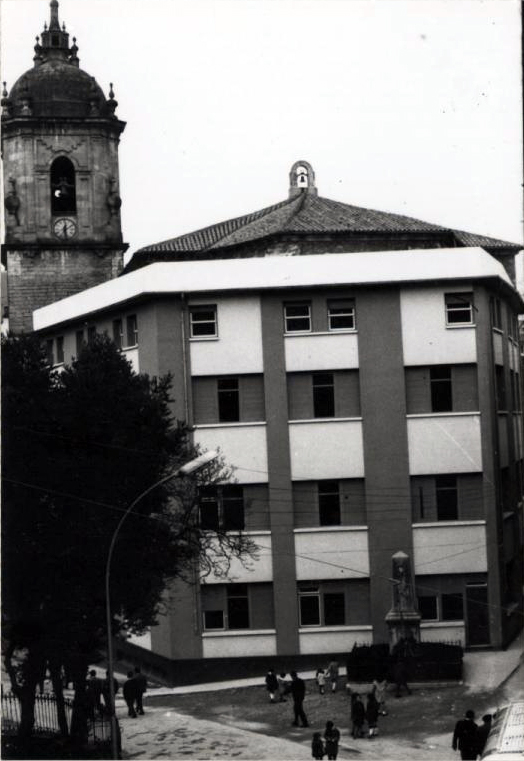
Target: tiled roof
{"points": [[301, 215]]}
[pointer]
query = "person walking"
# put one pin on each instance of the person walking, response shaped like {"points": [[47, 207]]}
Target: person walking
{"points": [[271, 685], [332, 738], [465, 737], [320, 678], [94, 695], [379, 690], [358, 714], [141, 688], [483, 732], [317, 746], [332, 671], [298, 691], [372, 712], [106, 694], [130, 692]]}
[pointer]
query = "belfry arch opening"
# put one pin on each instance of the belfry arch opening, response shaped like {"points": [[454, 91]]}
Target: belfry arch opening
{"points": [[63, 187]]}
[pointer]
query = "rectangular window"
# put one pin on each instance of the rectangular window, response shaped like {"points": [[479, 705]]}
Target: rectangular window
{"points": [[341, 315], [79, 341], [427, 605], [91, 334], [459, 308], [228, 400], [213, 619], [118, 333], [441, 390], [49, 348], [447, 497], [222, 508], [452, 607], [237, 607], [131, 330], [495, 313], [328, 503], [209, 513], [309, 604], [500, 388], [60, 350], [334, 609], [203, 321], [323, 395], [297, 318]]}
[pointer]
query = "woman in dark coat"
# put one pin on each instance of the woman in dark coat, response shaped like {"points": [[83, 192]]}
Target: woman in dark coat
{"points": [[358, 714], [372, 712]]}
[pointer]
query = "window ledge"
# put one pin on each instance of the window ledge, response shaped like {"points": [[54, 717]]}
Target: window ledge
{"points": [[237, 632], [344, 331], [461, 326], [326, 420], [440, 524], [442, 414], [441, 624], [318, 529], [203, 338], [230, 425], [127, 348], [318, 629]]}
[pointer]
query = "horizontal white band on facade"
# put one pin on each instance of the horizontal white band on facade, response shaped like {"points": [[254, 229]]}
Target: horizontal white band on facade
{"points": [[471, 413], [326, 420], [204, 338], [441, 524], [230, 425], [327, 629], [335, 529], [238, 633], [460, 327], [318, 333], [441, 624]]}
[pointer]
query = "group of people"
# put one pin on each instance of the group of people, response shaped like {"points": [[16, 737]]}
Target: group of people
{"points": [[327, 746], [328, 675], [470, 738], [360, 714], [279, 686], [98, 690]]}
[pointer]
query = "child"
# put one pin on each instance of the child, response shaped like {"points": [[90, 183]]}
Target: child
{"points": [[271, 685], [332, 737], [321, 680], [317, 746]]}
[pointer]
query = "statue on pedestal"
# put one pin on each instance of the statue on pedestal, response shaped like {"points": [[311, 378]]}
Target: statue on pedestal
{"points": [[403, 618]]}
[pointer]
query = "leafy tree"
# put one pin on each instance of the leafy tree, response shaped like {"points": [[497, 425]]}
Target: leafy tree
{"points": [[79, 446]]}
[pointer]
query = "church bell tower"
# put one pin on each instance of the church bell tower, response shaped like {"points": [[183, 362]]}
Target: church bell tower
{"points": [[60, 139]]}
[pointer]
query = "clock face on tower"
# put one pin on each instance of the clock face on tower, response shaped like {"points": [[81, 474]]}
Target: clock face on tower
{"points": [[64, 228]]}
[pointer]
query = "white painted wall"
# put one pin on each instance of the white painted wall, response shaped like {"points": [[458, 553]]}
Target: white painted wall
{"points": [[444, 443], [238, 645], [132, 356], [244, 447], [454, 547], [238, 348], [443, 632], [344, 550], [436, 344], [321, 351], [330, 639], [252, 570], [327, 449]]}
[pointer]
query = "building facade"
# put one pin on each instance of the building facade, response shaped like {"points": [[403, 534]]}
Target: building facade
{"points": [[369, 403]]}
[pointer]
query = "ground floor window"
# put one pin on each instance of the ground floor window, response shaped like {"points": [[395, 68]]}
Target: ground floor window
{"points": [[318, 607], [237, 606], [441, 607]]}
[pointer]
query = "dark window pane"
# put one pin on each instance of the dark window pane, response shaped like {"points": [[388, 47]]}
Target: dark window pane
{"points": [[228, 400], [447, 497], [329, 503], [500, 389], [459, 308], [63, 190], [323, 395], [60, 349], [233, 508], [238, 607], [309, 610], [213, 619], [118, 333], [441, 393], [203, 321], [132, 330], [297, 317], [452, 607], [49, 351], [334, 608], [427, 606], [341, 315]]}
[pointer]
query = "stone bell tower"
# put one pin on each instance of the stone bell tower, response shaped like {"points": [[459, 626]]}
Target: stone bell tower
{"points": [[60, 139]]}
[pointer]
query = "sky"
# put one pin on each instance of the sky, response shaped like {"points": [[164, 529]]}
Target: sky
{"points": [[408, 106]]}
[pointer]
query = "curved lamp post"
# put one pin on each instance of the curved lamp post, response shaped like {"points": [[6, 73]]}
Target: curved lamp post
{"points": [[185, 470]]}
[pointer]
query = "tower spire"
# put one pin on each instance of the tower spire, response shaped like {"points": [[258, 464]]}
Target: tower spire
{"points": [[55, 41], [54, 24]]}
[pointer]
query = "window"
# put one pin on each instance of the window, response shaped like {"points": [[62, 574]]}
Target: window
{"points": [[237, 607], [131, 330], [297, 318], [49, 348], [427, 605], [500, 388], [118, 333], [334, 608], [447, 497], [341, 315], [213, 619], [222, 508], [328, 503], [63, 190], [228, 400], [495, 313], [323, 395], [203, 321], [309, 600], [60, 350], [452, 607], [459, 308], [441, 393], [79, 341], [321, 608]]}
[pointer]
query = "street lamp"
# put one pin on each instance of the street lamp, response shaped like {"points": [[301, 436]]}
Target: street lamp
{"points": [[184, 470]]}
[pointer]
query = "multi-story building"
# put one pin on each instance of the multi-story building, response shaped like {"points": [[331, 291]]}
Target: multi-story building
{"points": [[369, 403]]}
